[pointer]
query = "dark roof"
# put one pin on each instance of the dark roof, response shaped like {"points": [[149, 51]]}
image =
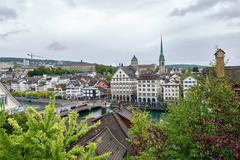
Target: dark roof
{"points": [[113, 134], [146, 66], [109, 143], [233, 72], [92, 82], [130, 71], [219, 50], [149, 77]]}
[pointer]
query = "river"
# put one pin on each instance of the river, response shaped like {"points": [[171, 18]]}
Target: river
{"points": [[154, 114]]}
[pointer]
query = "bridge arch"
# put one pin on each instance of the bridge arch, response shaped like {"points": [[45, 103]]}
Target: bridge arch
{"points": [[149, 100]]}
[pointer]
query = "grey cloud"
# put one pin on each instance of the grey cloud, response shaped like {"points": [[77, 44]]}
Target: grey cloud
{"points": [[4, 36], [230, 13], [7, 13], [116, 5], [201, 5], [56, 46]]}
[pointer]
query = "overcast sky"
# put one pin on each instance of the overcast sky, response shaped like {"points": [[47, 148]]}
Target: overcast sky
{"points": [[111, 31]]}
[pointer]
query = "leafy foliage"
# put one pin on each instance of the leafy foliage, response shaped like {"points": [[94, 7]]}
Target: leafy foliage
{"points": [[47, 137], [42, 94], [49, 71], [206, 125], [145, 137], [103, 69], [21, 119], [195, 69]]}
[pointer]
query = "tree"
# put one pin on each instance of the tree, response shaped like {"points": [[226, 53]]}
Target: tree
{"points": [[206, 125], [103, 69], [195, 69], [50, 71], [145, 137], [48, 137]]}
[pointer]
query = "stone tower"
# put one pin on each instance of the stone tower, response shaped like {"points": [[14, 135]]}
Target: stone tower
{"points": [[134, 62], [219, 57], [162, 68]]}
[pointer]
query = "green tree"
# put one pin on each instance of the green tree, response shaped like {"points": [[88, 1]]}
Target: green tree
{"points": [[103, 69], [47, 137], [195, 69], [145, 137], [206, 125], [50, 71]]}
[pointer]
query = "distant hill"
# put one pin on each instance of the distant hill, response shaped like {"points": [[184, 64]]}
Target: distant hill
{"points": [[37, 62], [184, 66]]}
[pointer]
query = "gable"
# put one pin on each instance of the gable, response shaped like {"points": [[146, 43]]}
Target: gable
{"points": [[120, 74]]}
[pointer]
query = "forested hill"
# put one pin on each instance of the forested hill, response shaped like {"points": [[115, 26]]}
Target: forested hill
{"points": [[185, 66], [17, 60]]}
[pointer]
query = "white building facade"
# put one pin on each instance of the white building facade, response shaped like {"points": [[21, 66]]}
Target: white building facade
{"points": [[149, 89], [124, 85], [188, 83], [74, 90], [7, 102], [171, 92], [91, 92]]}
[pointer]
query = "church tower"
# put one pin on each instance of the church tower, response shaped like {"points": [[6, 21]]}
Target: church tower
{"points": [[162, 68], [134, 62]]}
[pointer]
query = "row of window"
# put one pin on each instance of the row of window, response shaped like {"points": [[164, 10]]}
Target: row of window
{"points": [[144, 81], [170, 98], [121, 92], [147, 94], [168, 90], [146, 89], [171, 95], [188, 85], [171, 86], [121, 79], [145, 85], [190, 82]]}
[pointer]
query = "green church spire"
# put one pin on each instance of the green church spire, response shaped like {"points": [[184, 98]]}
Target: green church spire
{"points": [[161, 58]]}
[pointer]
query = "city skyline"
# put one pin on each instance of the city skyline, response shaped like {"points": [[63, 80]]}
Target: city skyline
{"points": [[113, 31]]}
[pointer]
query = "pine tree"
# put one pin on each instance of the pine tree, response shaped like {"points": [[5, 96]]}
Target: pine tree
{"points": [[48, 137]]}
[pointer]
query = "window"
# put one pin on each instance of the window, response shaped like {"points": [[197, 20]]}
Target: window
{"points": [[3, 99]]}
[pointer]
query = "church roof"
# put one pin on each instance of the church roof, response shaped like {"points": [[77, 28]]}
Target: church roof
{"points": [[134, 58]]}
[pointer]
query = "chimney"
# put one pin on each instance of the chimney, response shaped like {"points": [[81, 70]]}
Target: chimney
{"points": [[219, 57]]}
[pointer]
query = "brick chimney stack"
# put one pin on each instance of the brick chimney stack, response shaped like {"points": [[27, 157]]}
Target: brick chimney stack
{"points": [[219, 57]]}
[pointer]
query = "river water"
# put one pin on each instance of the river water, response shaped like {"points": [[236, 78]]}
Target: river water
{"points": [[155, 115], [96, 112]]}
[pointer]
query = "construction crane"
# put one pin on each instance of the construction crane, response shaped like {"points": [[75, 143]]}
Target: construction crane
{"points": [[32, 55]]}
